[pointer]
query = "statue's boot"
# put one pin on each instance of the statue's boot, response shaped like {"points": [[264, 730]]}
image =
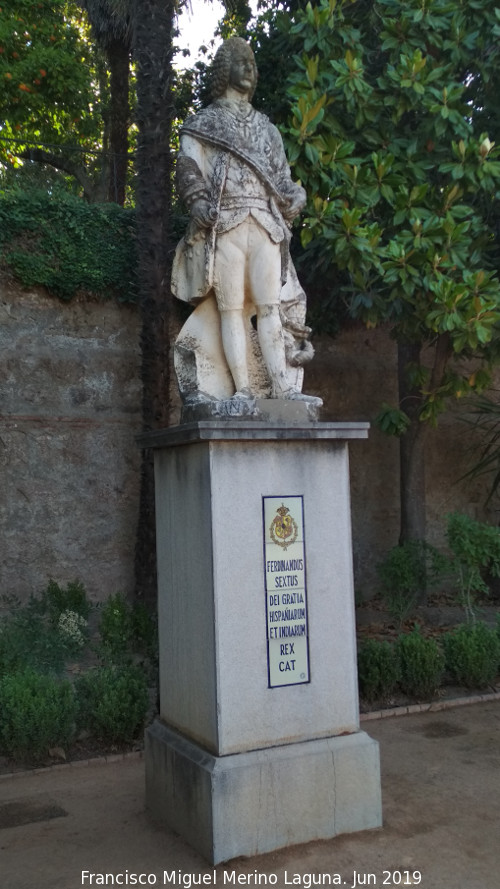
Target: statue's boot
{"points": [[295, 395]]}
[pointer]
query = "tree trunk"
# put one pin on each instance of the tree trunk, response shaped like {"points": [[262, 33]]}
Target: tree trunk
{"points": [[413, 442], [153, 24], [411, 450], [118, 60]]}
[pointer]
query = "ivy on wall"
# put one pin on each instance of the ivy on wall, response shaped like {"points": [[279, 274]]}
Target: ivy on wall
{"points": [[58, 241]]}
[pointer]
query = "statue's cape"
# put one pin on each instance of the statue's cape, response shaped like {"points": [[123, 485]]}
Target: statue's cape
{"points": [[254, 140]]}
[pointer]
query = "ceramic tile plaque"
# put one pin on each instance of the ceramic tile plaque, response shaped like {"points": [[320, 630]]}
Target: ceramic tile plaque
{"points": [[286, 597]]}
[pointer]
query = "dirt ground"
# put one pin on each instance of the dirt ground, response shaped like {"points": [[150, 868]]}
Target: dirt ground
{"points": [[441, 797]]}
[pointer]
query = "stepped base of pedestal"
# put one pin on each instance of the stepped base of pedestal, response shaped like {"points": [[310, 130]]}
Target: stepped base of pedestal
{"points": [[258, 801]]}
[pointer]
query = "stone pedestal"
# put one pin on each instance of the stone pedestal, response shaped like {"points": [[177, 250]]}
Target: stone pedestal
{"points": [[258, 743]]}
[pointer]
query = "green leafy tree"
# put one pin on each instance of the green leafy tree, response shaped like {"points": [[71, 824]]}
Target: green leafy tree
{"points": [[48, 92], [65, 101], [388, 135]]}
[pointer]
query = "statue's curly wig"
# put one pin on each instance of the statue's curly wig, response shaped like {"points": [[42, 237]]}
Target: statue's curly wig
{"points": [[221, 67]]}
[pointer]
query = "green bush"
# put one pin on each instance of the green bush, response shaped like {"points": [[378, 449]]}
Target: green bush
{"points": [[472, 654], [406, 573], [421, 663], [55, 239], [29, 639], [116, 627], [145, 630], [476, 550], [37, 713], [126, 630], [112, 702], [57, 599], [44, 632], [378, 669]]}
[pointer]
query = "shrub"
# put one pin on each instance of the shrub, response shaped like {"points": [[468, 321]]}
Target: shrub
{"points": [[126, 630], [476, 549], [116, 627], [37, 713], [144, 630], [378, 669], [28, 639], [61, 242], [406, 573], [45, 631], [472, 654], [421, 663], [112, 702], [55, 600]]}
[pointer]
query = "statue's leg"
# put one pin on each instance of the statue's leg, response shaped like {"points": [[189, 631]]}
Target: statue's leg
{"points": [[272, 346], [264, 278], [264, 273], [234, 343], [229, 286]]}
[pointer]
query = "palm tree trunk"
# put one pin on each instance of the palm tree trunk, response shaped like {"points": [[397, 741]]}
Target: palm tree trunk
{"points": [[153, 26], [118, 60]]}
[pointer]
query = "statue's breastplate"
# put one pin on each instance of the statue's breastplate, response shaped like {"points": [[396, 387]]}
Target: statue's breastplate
{"points": [[245, 195], [243, 188]]}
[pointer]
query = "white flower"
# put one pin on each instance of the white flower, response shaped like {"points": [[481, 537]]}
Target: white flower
{"points": [[485, 147], [71, 626]]}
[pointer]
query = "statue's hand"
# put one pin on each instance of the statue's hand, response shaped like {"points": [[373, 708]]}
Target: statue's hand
{"points": [[294, 204], [202, 213]]}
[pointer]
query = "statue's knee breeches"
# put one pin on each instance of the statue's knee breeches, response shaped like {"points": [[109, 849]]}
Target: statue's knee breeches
{"points": [[247, 265]]}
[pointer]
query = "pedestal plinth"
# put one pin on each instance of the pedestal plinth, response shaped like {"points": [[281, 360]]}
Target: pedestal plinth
{"points": [[258, 743]]}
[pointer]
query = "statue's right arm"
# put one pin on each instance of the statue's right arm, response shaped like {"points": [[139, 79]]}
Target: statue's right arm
{"points": [[192, 186]]}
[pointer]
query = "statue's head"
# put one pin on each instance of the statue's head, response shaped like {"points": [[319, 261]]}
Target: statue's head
{"points": [[234, 65]]}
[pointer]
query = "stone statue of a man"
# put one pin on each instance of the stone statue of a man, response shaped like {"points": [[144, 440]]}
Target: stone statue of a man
{"points": [[233, 175]]}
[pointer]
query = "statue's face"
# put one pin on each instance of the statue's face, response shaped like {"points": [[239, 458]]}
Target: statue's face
{"points": [[242, 75]]}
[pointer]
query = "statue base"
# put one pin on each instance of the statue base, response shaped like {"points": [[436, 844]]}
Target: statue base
{"points": [[255, 802], [258, 743], [274, 410]]}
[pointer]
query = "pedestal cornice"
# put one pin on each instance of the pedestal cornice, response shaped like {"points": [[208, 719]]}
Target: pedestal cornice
{"points": [[251, 430]]}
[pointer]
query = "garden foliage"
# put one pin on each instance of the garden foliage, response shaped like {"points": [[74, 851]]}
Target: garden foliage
{"points": [[44, 632], [476, 550], [126, 631], [421, 663], [378, 670], [46, 76], [40, 707], [112, 702], [55, 239], [407, 570], [472, 654], [37, 712], [392, 134]]}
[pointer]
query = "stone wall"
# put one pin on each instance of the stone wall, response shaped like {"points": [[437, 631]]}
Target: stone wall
{"points": [[70, 407]]}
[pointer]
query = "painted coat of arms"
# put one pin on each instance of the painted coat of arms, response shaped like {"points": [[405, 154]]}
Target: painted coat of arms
{"points": [[283, 530]]}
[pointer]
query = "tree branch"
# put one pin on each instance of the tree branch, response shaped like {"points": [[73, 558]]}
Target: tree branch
{"points": [[91, 190]]}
